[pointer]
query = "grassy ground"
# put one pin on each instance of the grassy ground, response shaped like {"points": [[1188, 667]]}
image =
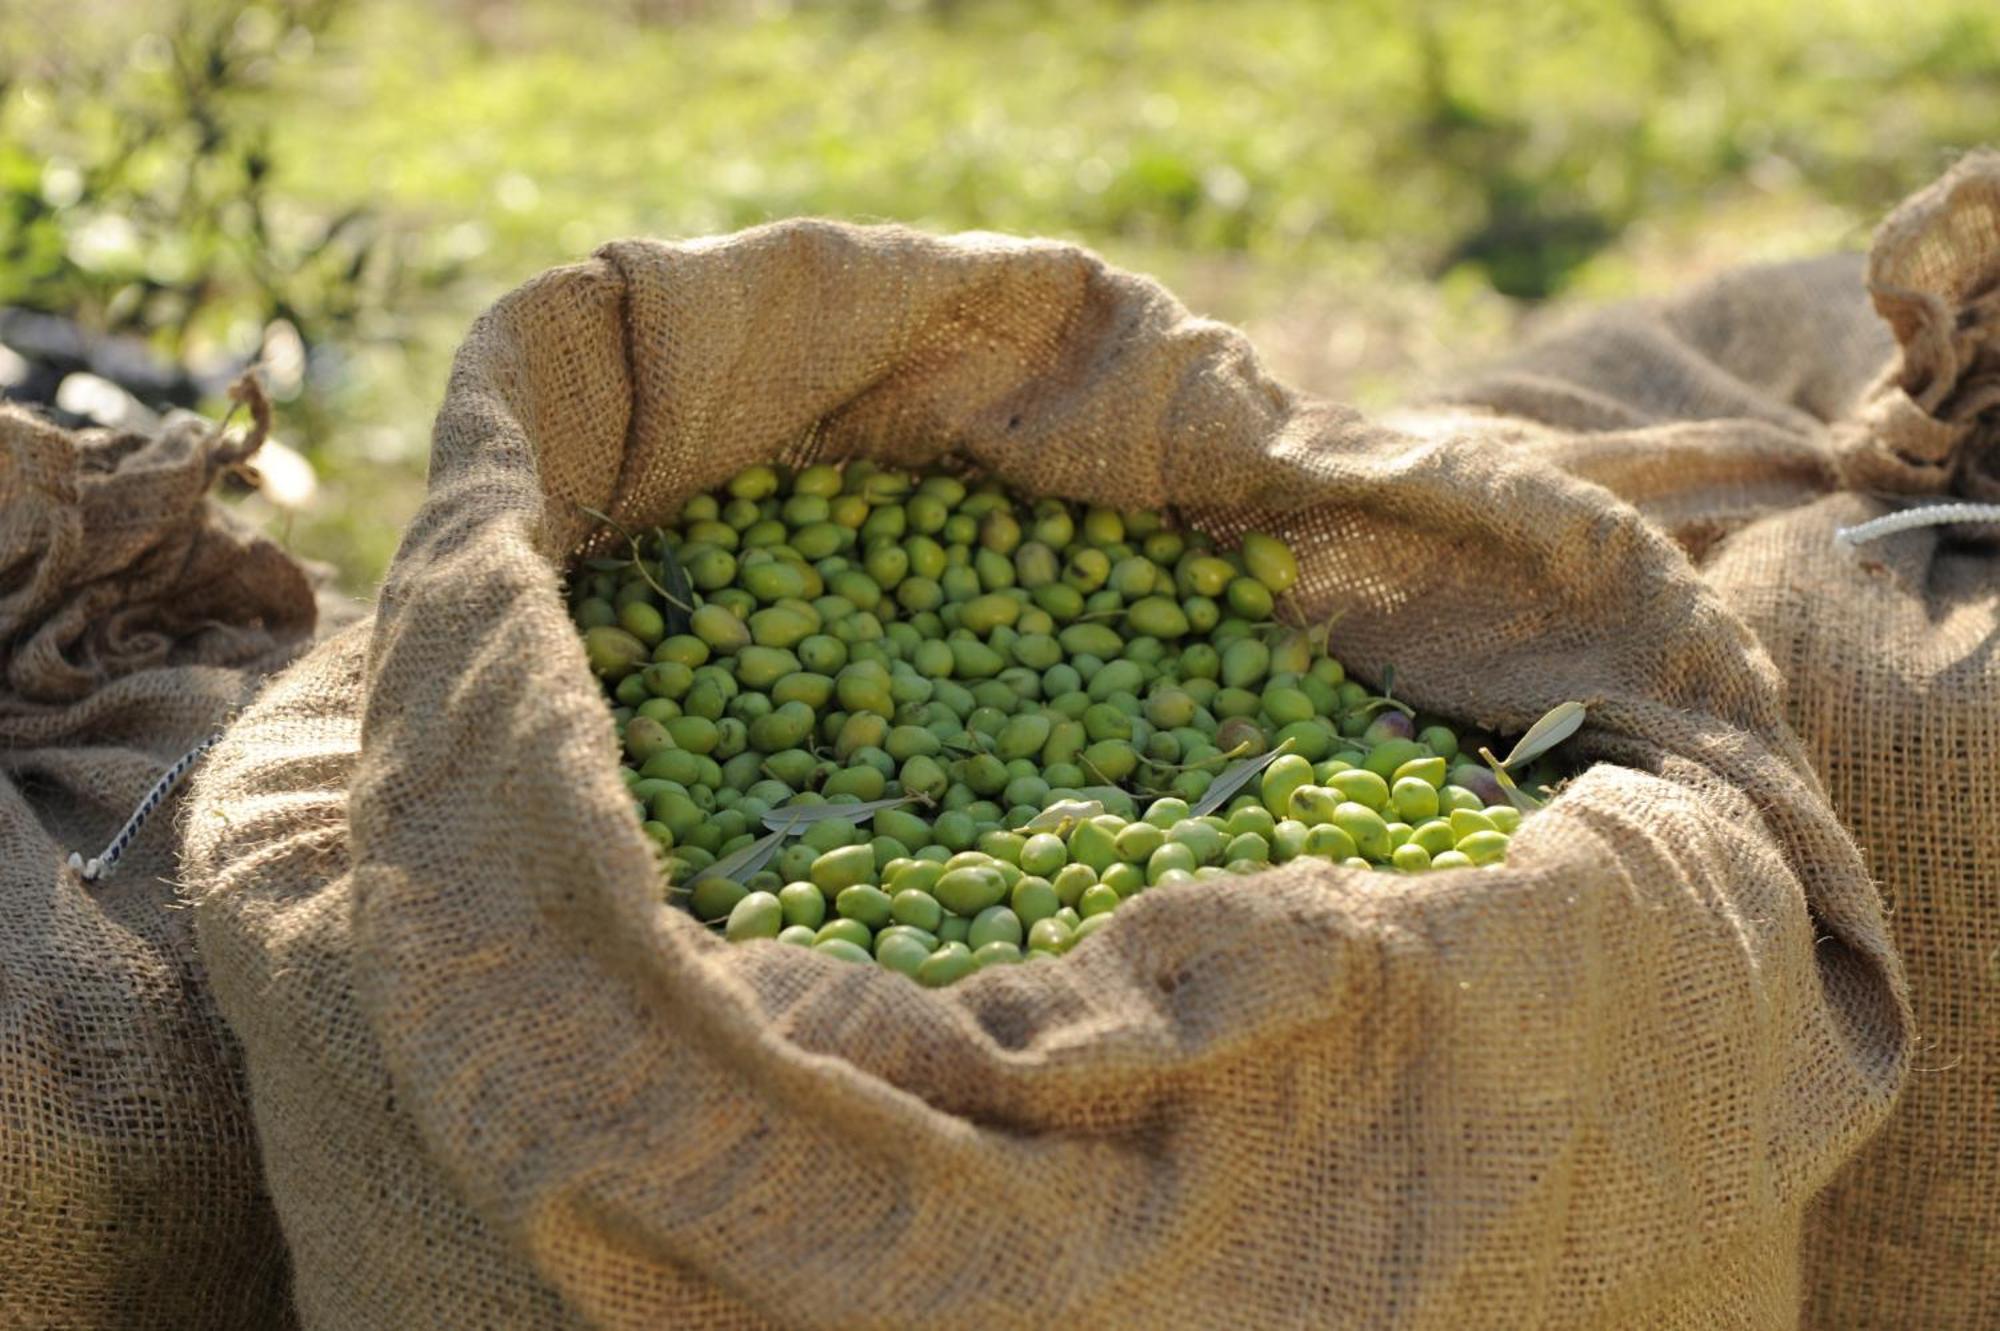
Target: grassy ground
{"points": [[1379, 191]]}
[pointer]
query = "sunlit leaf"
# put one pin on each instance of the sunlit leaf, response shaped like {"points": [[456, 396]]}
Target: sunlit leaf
{"points": [[1062, 811], [1234, 779], [752, 857], [1557, 725], [680, 607], [1516, 796], [679, 592], [813, 813]]}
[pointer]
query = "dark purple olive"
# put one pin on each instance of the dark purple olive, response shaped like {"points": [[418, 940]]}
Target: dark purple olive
{"points": [[1239, 730], [1479, 780], [1389, 724]]}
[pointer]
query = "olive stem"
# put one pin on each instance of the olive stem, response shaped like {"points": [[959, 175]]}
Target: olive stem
{"points": [[1240, 751], [638, 560], [1516, 796]]}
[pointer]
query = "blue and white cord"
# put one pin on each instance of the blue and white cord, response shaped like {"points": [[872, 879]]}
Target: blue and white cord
{"points": [[102, 865], [1926, 515]]}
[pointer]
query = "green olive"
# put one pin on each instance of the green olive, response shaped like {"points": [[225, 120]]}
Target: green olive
{"points": [[1415, 799], [1051, 935], [999, 952], [1157, 616], [902, 953], [969, 890], [756, 915], [722, 631], [844, 949], [1363, 787], [951, 962], [613, 652], [1368, 828], [1205, 575], [1484, 847], [1270, 561], [1328, 842], [839, 869]]}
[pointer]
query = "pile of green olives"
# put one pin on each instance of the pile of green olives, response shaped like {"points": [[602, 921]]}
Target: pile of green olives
{"points": [[920, 721]]}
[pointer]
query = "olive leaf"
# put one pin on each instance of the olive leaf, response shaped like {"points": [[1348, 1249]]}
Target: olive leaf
{"points": [[1321, 636], [1516, 796], [781, 819], [1062, 811], [1388, 697], [750, 859], [1234, 779], [637, 561], [1556, 725], [1196, 764], [1374, 705], [679, 592]]}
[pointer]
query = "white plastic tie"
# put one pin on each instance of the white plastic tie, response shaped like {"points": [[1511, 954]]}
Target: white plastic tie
{"points": [[1927, 515], [102, 865]]}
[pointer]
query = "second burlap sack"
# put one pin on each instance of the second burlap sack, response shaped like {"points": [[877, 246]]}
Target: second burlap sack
{"points": [[497, 1082], [1757, 418], [136, 616]]}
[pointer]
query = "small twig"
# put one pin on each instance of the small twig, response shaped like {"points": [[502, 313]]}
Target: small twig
{"points": [[638, 559]]}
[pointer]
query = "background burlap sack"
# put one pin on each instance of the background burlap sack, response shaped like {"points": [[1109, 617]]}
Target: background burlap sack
{"points": [[497, 1083], [1766, 393], [135, 617]]}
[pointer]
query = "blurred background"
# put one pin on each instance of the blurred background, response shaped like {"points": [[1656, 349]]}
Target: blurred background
{"points": [[1380, 191]]}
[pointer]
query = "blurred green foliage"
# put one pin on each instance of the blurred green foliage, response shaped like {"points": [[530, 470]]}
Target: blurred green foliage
{"points": [[137, 188], [374, 171]]}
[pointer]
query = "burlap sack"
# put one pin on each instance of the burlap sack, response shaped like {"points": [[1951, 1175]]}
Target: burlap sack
{"points": [[497, 1083], [1759, 409], [134, 618]]}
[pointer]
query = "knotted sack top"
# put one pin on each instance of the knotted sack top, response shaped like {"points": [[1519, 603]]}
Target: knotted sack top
{"points": [[111, 560]]}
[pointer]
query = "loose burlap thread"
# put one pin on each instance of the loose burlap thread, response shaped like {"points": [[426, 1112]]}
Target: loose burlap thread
{"points": [[1755, 418], [497, 1082], [135, 617]]}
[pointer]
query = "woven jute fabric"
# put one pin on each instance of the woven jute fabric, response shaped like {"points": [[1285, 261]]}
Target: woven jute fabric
{"points": [[1755, 418], [135, 616], [497, 1082]]}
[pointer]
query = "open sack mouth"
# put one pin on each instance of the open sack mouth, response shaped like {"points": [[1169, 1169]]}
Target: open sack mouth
{"points": [[916, 719]]}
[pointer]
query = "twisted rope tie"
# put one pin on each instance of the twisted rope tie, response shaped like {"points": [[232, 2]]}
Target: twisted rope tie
{"points": [[102, 865], [1928, 515]]}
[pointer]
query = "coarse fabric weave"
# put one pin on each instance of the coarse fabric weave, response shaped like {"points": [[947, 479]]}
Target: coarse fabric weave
{"points": [[498, 1083], [1755, 418], [135, 617]]}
